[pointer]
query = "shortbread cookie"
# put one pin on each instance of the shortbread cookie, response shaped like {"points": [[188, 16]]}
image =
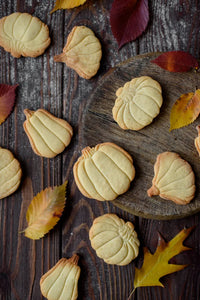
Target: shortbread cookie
{"points": [[114, 240], [22, 34], [10, 173], [104, 172], [47, 134], [173, 180], [82, 52], [61, 282], [197, 140], [138, 103]]}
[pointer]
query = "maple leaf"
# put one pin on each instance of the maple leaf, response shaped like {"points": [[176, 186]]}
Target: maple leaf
{"points": [[185, 110], [176, 61], [128, 19], [45, 211], [7, 100], [157, 265], [67, 4]]}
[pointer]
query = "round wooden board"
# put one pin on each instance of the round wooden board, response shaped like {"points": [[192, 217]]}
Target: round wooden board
{"points": [[98, 126]]}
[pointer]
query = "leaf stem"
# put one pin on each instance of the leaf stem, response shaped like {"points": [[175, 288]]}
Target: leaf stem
{"points": [[133, 291]]}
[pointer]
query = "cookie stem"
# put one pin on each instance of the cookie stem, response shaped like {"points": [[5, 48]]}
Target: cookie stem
{"points": [[153, 191], [87, 151], [198, 129], [28, 113], [60, 58], [74, 259]]}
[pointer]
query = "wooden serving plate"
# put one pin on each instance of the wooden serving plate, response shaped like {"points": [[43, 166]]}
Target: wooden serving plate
{"points": [[99, 126]]}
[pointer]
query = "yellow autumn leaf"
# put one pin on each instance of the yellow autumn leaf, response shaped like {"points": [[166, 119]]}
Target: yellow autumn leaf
{"points": [[45, 211], [157, 265], [185, 110], [67, 4]]}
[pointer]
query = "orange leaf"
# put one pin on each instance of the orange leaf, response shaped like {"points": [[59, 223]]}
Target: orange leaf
{"points": [[185, 110], [157, 265], [176, 61], [7, 100], [45, 211], [67, 4]]}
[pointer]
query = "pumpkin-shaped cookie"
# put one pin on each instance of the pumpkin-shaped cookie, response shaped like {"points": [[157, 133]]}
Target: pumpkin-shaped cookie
{"points": [[61, 282], [10, 173], [137, 103], [174, 179], [104, 172], [82, 52], [47, 134], [114, 240], [22, 34]]}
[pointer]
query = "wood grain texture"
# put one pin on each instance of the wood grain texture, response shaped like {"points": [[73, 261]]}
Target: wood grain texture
{"points": [[144, 145], [174, 24]]}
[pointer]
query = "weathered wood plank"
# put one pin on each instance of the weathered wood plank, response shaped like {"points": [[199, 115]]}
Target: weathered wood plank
{"points": [[43, 83], [24, 261], [173, 26]]}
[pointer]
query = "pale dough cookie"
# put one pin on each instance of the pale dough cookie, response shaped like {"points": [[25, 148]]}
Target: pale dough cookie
{"points": [[61, 282], [10, 173], [47, 134], [104, 172], [173, 180], [22, 34], [114, 240], [138, 103], [82, 52]]}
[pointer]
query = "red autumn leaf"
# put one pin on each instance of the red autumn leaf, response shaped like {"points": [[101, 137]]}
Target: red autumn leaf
{"points": [[128, 19], [7, 100], [176, 61]]}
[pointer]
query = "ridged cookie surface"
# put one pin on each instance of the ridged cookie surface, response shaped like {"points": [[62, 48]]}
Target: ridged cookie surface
{"points": [[82, 52], [61, 282], [104, 172], [173, 179], [138, 103], [114, 240], [10, 173], [47, 134], [23, 34]]}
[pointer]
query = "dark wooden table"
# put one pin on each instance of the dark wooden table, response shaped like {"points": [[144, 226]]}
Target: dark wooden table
{"points": [[174, 25]]}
